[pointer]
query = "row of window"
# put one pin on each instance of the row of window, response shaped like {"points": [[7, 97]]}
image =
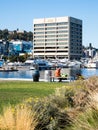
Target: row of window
{"points": [[50, 36], [59, 43], [50, 24], [75, 25], [59, 39], [72, 28], [60, 51], [77, 52], [61, 31], [51, 28], [76, 33], [76, 41]]}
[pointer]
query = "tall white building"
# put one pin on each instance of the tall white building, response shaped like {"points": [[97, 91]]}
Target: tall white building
{"points": [[59, 37]]}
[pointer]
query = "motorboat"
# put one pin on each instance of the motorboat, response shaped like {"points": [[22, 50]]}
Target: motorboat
{"points": [[91, 64], [42, 64], [32, 68]]}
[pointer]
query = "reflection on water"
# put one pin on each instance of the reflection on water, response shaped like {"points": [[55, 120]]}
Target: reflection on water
{"points": [[89, 72], [28, 73], [16, 74]]}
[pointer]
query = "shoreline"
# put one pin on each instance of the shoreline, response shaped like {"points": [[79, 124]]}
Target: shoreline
{"points": [[19, 79]]}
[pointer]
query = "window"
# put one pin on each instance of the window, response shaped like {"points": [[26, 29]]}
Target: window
{"points": [[38, 25], [38, 29], [62, 23], [50, 24], [62, 27], [49, 32], [52, 28], [38, 32], [61, 31]]}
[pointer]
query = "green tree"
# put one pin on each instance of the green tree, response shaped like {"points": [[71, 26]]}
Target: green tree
{"points": [[5, 34], [22, 58], [0, 34]]}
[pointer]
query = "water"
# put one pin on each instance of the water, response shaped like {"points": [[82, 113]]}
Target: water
{"points": [[89, 72], [27, 74], [16, 74]]}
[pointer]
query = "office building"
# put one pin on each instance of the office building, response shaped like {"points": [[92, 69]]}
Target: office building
{"points": [[59, 37]]}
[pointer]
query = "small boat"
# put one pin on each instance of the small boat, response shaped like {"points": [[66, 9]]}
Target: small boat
{"points": [[92, 64], [32, 68]]}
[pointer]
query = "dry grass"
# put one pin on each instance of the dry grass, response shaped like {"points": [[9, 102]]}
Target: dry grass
{"points": [[87, 118], [20, 118]]}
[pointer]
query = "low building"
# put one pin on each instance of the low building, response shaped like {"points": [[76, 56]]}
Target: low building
{"points": [[21, 47], [4, 47]]}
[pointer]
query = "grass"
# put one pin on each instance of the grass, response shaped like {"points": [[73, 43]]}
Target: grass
{"points": [[13, 92], [71, 106]]}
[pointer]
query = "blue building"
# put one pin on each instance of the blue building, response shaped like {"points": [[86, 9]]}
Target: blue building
{"points": [[19, 47], [4, 47]]}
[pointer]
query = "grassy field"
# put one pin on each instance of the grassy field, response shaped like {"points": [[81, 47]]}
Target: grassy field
{"points": [[72, 107], [13, 92]]}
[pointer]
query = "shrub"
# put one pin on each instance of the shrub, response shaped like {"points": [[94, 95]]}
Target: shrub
{"points": [[49, 115], [86, 121], [19, 118]]}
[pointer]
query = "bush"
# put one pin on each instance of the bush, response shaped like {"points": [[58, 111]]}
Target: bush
{"points": [[18, 118], [49, 115], [86, 121]]}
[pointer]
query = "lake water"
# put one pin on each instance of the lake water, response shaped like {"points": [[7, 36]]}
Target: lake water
{"points": [[27, 74]]}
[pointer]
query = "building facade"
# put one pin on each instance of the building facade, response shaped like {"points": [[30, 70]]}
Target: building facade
{"points": [[15, 47], [21, 47], [59, 37], [4, 47]]}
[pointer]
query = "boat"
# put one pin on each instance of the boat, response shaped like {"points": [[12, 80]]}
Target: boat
{"points": [[29, 62], [32, 68], [8, 68], [42, 64], [74, 64], [91, 64]]}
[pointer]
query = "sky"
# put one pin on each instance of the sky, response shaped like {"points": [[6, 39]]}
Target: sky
{"points": [[19, 14]]}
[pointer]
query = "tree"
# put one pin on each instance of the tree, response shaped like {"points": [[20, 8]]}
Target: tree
{"points": [[30, 36], [14, 35], [0, 34], [5, 34]]}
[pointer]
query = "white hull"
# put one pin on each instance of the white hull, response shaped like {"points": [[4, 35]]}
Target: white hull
{"points": [[92, 65]]}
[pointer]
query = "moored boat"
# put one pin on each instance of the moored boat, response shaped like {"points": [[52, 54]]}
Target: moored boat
{"points": [[92, 64]]}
